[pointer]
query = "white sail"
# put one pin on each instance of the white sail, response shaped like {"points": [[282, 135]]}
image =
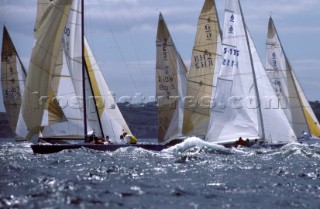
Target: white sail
{"points": [[243, 95], [170, 85], [13, 76], [65, 94], [235, 113], [42, 63], [281, 76], [73, 49], [277, 129], [111, 119], [203, 73]]}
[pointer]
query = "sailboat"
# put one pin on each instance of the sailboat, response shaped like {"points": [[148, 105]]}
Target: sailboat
{"points": [[243, 94], [287, 87], [13, 76], [171, 83], [202, 77], [63, 20]]}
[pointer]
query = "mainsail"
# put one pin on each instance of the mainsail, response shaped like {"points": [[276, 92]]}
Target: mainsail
{"points": [[13, 76], [203, 73], [171, 79], [287, 88], [42, 63], [241, 89]]}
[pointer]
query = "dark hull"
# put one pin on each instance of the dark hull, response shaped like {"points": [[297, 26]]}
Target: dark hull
{"points": [[53, 148]]}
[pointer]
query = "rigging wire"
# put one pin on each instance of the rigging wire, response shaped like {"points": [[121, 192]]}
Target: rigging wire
{"points": [[132, 41], [118, 46]]}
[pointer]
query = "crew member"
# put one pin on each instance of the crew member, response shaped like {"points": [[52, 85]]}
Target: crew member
{"points": [[129, 139]]}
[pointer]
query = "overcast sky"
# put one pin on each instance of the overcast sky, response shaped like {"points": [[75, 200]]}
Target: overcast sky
{"points": [[122, 36]]}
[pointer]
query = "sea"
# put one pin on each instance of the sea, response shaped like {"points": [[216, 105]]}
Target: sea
{"points": [[190, 175]]}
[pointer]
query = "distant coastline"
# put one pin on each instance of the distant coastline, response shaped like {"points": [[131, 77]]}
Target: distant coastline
{"points": [[142, 119]]}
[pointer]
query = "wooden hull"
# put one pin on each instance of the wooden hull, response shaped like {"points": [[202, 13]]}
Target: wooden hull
{"points": [[53, 148]]}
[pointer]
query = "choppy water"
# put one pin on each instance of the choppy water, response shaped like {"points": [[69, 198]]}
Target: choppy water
{"points": [[190, 175]]}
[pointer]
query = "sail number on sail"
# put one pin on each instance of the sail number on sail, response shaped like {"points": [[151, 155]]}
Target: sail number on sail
{"points": [[166, 79], [203, 61], [231, 61]]}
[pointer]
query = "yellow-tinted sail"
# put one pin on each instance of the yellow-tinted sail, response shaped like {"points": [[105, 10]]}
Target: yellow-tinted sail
{"points": [[42, 64]]}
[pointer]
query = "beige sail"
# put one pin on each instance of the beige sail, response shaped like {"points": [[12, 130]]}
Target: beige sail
{"points": [[13, 77], [203, 72], [170, 85], [42, 64], [53, 113], [282, 79]]}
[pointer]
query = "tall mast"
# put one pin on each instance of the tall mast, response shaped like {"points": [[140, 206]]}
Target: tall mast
{"points": [[83, 73], [253, 72]]}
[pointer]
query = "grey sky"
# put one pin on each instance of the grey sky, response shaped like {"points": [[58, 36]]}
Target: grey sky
{"points": [[122, 36]]}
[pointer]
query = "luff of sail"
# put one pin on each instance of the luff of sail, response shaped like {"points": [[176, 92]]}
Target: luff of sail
{"points": [[13, 76], [170, 85], [284, 83], [42, 63], [203, 72]]}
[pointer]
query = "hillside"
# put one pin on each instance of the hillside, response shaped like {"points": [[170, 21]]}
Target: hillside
{"points": [[5, 130], [142, 120]]}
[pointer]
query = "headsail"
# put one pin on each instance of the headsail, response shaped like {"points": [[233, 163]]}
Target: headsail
{"points": [[111, 119], [202, 77], [13, 76], [42, 63], [170, 85], [287, 88]]}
